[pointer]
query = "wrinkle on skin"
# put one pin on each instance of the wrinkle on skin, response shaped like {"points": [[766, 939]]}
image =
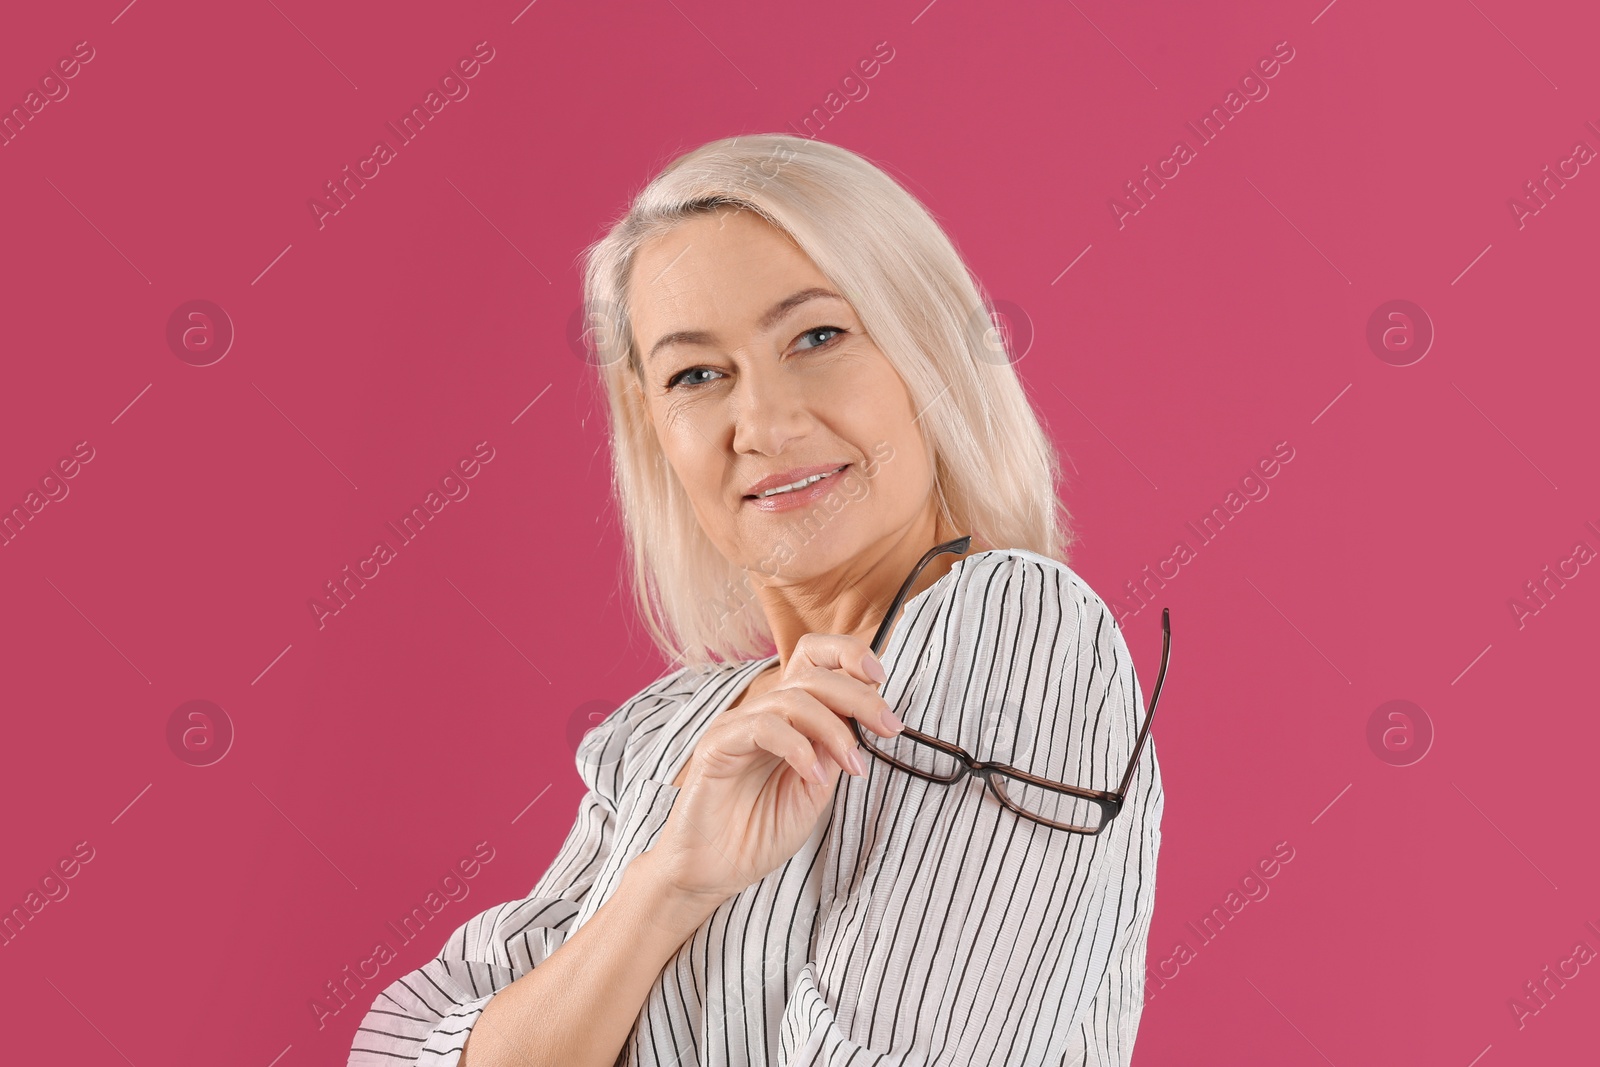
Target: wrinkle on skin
{"points": [[762, 400]]}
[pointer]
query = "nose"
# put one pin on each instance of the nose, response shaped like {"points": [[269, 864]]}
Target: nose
{"points": [[770, 411]]}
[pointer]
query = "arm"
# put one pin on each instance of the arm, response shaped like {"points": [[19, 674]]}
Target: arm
{"points": [[955, 932], [1105, 1035], [577, 1008], [425, 1017]]}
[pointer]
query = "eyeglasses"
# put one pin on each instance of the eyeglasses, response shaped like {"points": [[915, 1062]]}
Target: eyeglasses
{"points": [[1055, 804]]}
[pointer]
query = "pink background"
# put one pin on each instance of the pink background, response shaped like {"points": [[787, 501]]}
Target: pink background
{"points": [[439, 708]]}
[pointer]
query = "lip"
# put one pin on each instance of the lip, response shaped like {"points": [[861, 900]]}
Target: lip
{"points": [[796, 497], [794, 474]]}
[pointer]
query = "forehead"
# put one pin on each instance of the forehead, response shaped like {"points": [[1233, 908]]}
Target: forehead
{"points": [[732, 264]]}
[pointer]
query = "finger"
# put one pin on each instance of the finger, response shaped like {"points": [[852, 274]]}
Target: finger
{"points": [[829, 771], [822, 726], [845, 696], [840, 652], [785, 740]]}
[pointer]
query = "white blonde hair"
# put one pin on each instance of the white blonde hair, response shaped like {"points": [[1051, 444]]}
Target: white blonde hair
{"points": [[995, 469]]}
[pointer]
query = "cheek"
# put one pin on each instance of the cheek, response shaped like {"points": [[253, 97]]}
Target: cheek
{"points": [[701, 470], [869, 394], [883, 418]]}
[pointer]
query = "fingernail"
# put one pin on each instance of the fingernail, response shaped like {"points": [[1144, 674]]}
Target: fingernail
{"points": [[892, 720], [858, 765], [875, 669], [817, 773]]}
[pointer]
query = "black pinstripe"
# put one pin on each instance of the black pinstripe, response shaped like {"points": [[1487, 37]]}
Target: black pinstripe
{"points": [[921, 924]]}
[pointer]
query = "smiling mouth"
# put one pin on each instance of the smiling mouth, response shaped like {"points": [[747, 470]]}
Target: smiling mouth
{"points": [[794, 486]]}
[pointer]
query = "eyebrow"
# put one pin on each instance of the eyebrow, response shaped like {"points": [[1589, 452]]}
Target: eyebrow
{"points": [[772, 316]]}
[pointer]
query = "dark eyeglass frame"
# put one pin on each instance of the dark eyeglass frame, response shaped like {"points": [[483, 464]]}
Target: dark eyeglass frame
{"points": [[992, 772]]}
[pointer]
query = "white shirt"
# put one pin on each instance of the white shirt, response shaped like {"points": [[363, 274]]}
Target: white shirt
{"points": [[921, 924]]}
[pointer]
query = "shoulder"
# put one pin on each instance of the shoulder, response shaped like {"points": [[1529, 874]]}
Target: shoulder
{"points": [[1013, 654], [1009, 596]]}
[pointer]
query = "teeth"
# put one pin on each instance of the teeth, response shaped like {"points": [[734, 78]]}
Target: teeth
{"points": [[801, 484]]}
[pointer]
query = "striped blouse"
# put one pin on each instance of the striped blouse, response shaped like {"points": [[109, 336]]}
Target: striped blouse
{"points": [[921, 924]]}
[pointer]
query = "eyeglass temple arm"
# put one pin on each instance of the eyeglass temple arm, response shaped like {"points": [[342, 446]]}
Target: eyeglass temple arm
{"points": [[1144, 731], [958, 546]]}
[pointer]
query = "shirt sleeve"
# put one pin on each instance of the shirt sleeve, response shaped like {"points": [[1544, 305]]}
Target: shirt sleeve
{"points": [[952, 930], [425, 1017]]}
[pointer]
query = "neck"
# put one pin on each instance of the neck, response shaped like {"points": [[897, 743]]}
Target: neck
{"points": [[854, 597]]}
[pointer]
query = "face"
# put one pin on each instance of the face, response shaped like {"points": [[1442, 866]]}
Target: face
{"points": [[756, 366]]}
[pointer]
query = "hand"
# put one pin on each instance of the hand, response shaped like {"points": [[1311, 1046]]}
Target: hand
{"points": [[752, 790]]}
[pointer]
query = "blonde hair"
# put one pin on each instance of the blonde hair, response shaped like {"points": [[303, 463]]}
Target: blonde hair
{"points": [[995, 469]]}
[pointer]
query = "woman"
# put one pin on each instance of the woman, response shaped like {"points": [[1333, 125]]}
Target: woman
{"points": [[800, 409]]}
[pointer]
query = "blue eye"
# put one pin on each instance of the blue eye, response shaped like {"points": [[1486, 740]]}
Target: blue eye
{"points": [[674, 381], [823, 329]]}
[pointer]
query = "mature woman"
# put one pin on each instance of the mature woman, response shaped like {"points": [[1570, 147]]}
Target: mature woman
{"points": [[814, 448]]}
